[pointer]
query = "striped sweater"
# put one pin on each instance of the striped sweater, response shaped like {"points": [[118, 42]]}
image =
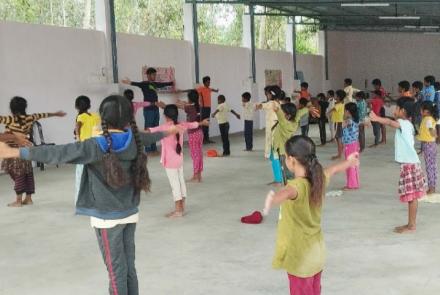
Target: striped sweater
{"points": [[21, 123]]}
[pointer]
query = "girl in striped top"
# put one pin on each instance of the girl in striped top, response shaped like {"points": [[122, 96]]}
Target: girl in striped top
{"points": [[21, 170]]}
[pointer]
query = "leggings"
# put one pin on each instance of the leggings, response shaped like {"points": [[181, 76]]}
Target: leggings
{"points": [[353, 172], [195, 141], [24, 183], [430, 153]]}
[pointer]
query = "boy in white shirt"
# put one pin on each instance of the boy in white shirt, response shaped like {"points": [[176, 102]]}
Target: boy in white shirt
{"points": [[221, 114]]}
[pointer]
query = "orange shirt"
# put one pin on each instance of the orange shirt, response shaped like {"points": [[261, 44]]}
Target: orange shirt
{"points": [[205, 96], [305, 94]]}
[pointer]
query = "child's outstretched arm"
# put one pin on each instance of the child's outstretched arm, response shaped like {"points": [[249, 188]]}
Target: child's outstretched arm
{"points": [[214, 114], [287, 193], [352, 160], [237, 115], [19, 139], [384, 121]]}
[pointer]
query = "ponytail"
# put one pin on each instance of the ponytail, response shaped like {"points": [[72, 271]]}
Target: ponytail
{"points": [[172, 112], [178, 145], [315, 174], [141, 178]]}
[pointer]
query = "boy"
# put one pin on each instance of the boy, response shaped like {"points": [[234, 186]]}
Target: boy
{"points": [[349, 90], [428, 92], [417, 87], [304, 92], [205, 92], [331, 106], [303, 116], [221, 114], [248, 116], [149, 89], [376, 105], [404, 87], [323, 105], [338, 119]]}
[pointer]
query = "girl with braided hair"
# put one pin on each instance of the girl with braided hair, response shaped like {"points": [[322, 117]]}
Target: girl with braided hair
{"points": [[115, 172], [300, 246], [172, 155]]}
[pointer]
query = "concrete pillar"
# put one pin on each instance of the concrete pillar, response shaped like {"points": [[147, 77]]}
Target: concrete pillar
{"points": [[291, 48], [190, 34]]}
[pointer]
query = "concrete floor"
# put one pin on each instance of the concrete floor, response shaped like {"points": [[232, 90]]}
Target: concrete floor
{"points": [[45, 249]]}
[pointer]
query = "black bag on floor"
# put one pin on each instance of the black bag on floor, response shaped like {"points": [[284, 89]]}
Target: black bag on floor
{"points": [[37, 138]]}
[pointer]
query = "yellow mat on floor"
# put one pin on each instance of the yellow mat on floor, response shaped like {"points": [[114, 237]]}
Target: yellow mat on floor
{"points": [[434, 198]]}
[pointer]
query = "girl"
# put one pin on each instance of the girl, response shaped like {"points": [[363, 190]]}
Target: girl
{"points": [[427, 137], [172, 156], [303, 116], [271, 92], [20, 170], [331, 106], [86, 125], [115, 172], [300, 248], [350, 139], [362, 112], [412, 181], [338, 118], [195, 136]]}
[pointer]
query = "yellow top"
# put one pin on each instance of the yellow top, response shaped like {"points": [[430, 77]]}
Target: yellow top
{"points": [[89, 125], [428, 123], [223, 113], [338, 113], [300, 248]]}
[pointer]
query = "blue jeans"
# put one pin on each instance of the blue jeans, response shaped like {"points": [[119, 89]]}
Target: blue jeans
{"points": [[151, 116]]}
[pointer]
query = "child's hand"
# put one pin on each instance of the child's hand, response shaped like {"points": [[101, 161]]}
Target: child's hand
{"points": [[59, 114], [268, 203], [22, 140], [238, 117], [353, 159], [205, 123], [126, 81], [373, 117], [213, 116]]}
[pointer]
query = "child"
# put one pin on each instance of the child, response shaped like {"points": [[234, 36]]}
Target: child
{"points": [[304, 92], [248, 116], [271, 118], [323, 106], [129, 94], [221, 113], [376, 105], [437, 109], [195, 136], [303, 116], [338, 118], [427, 137], [417, 87], [412, 181], [349, 90], [300, 248], [205, 92], [20, 170], [285, 128], [331, 106], [172, 156], [115, 173], [350, 139], [377, 84], [404, 89], [428, 91], [87, 125], [362, 112]]}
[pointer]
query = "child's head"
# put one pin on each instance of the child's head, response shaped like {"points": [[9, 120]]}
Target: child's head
{"points": [[304, 86], [221, 99], [289, 110], [151, 74], [117, 113], [348, 82], [351, 111], [129, 94], [417, 86], [404, 86], [193, 98], [376, 84], [321, 96], [427, 109], [437, 86], [301, 154], [282, 95], [331, 93], [360, 95], [340, 95], [303, 102], [206, 81], [82, 104], [287, 99], [405, 108], [171, 113], [246, 97], [429, 80], [314, 101], [18, 106]]}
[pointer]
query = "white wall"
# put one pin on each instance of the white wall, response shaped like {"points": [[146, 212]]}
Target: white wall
{"points": [[313, 68], [50, 67], [391, 57]]}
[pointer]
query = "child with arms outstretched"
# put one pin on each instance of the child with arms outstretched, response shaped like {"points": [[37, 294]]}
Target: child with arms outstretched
{"points": [[350, 139], [300, 248], [412, 184]]}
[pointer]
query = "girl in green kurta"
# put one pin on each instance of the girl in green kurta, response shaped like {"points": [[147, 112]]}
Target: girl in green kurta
{"points": [[300, 246]]}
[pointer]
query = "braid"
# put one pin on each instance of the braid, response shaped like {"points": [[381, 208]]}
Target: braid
{"points": [[141, 178], [178, 145], [113, 172]]}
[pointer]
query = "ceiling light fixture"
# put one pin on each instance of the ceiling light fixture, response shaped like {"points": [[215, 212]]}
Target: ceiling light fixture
{"points": [[430, 27], [365, 4], [403, 17], [432, 33]]}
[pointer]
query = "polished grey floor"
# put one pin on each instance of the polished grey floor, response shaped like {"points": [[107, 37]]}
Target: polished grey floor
{"points": [[45, 249]]}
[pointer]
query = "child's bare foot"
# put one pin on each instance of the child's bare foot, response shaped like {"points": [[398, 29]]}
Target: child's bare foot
{"points": [[336, 157], [28, 202], [373, 146], [15, 204], [175, 214], [405, 229], [349, 188], [430, 191], [193, 179]]}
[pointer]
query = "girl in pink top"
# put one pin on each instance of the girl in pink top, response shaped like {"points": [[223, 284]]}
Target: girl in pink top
{"points": [[172, 156]]}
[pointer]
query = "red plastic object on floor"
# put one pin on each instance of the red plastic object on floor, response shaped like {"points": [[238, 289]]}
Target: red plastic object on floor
{"points": [[254, 218], [211, 153]]}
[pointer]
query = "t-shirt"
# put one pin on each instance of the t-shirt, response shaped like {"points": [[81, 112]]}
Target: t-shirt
{"points": [[300, 248], [205, 96], [350, 133], [376, 105], [349, 90], [149, 89], [405, 153], [271, 116], [302, 116], [428, 93], [305, 94], [89, 123], [338, 113], [248, 111], [424, 133], [362, 109], [223, 113]]}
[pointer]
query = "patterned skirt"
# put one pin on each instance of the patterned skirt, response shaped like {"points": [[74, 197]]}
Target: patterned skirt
{"points": [[412, 182], [16, 167]]}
